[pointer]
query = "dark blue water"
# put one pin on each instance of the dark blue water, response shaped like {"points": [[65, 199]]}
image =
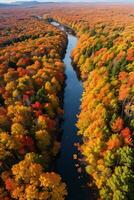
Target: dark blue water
{"points": [[65, 164]]}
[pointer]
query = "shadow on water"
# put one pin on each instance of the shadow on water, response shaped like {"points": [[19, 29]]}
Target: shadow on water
{"points": [[65, 164]]}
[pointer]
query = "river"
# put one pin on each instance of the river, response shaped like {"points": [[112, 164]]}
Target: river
{"points": [[65, 164]]}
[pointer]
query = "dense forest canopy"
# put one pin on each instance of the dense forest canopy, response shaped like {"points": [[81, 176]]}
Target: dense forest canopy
{"points": [[31, 82], [105, 57]]}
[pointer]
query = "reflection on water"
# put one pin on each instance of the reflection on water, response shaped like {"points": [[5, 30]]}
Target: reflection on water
{"points": [[65, 164]]}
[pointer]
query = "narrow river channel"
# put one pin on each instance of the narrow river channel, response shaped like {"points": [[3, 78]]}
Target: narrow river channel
{"points": [[65, 164]]}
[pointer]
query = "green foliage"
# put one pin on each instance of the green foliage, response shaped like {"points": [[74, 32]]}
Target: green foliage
{"points": [[110, 159], [123, 179], [125, 156]]}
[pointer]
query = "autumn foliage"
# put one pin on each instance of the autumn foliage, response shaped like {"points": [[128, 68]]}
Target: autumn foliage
{"points": [[31, 81], [104, 56]]}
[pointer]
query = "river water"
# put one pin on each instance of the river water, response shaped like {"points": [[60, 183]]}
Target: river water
{"points": [[65, 164]]}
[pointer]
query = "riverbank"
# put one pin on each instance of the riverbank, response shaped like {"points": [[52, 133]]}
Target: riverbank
{"points": [[105, 56], [66, 166]]}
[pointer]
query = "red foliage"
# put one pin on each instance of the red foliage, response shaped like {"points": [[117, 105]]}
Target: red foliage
{"points": [[117, 125], [37, 105], [25, 97], [22, 71], [126, 133], [27, 143], [9, 184]]}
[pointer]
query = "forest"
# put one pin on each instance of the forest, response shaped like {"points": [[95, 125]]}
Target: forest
{"points": [[34, 58]]}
